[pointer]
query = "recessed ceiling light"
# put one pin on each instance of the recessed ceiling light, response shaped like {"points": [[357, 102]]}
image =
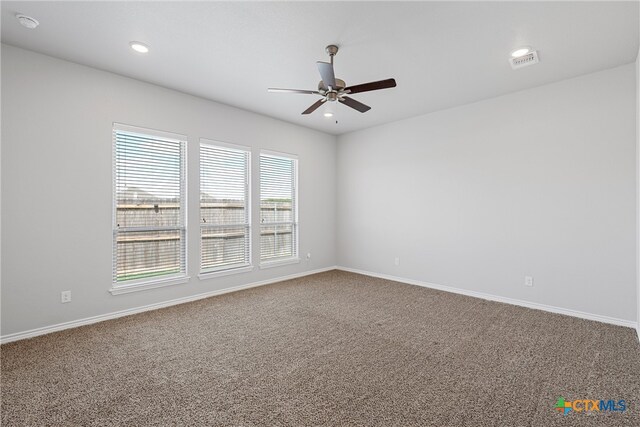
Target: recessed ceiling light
{"points": [[27, 21], [520, 52], [328, 114], [139, 47]]}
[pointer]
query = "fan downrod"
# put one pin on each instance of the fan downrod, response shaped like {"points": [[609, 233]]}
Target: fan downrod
{"points": [[332, 50]]}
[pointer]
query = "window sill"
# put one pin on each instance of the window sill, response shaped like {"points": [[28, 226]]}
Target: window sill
{"points": [[278, 263], [220, 273], [153, 284]]}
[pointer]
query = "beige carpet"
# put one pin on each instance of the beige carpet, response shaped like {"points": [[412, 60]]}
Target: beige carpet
{"points": [[330, 349]]}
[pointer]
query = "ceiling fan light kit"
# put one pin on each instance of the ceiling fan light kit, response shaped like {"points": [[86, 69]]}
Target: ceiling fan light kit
{"points": [[333, 89]]}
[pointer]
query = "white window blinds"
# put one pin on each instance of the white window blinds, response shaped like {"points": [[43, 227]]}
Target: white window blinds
{"points": [[149, 206], [225, 232], [278, 208]]}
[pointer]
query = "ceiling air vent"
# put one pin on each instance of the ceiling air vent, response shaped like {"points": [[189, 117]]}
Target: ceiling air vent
{"points": [[524, 60]]}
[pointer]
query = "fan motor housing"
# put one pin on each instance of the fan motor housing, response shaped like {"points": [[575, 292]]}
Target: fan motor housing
{"points": [[340, 84]]}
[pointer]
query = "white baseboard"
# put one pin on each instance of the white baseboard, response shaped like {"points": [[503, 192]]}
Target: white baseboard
{"points": [[100, 318], [521, 303]]}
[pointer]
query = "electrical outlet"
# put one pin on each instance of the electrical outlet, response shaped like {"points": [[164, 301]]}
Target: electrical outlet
{"points": [[397, 261], [308, 256], [65, 296], [528, 280]]}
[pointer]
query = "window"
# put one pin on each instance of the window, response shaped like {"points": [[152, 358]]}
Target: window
{"points": [[149, 235], [225, 232], [278, 208]]}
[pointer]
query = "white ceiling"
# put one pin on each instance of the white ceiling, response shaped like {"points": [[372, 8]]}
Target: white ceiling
{"points": [[442, 54]]}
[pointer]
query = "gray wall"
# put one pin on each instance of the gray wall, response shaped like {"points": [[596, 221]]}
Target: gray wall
{"points": [[57, 190], [540, 182]]}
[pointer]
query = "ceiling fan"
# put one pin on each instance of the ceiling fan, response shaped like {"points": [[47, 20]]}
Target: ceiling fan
{"points": [[332, 89]]}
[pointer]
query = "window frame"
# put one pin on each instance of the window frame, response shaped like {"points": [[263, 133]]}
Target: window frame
{"points": [[240, 268], [295, 258], [118, 288]]}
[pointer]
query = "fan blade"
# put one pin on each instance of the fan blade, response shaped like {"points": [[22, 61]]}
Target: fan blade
{"points": [[366, 87], [306, 92], [314, 107], [326, 72], [354, 104]]}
